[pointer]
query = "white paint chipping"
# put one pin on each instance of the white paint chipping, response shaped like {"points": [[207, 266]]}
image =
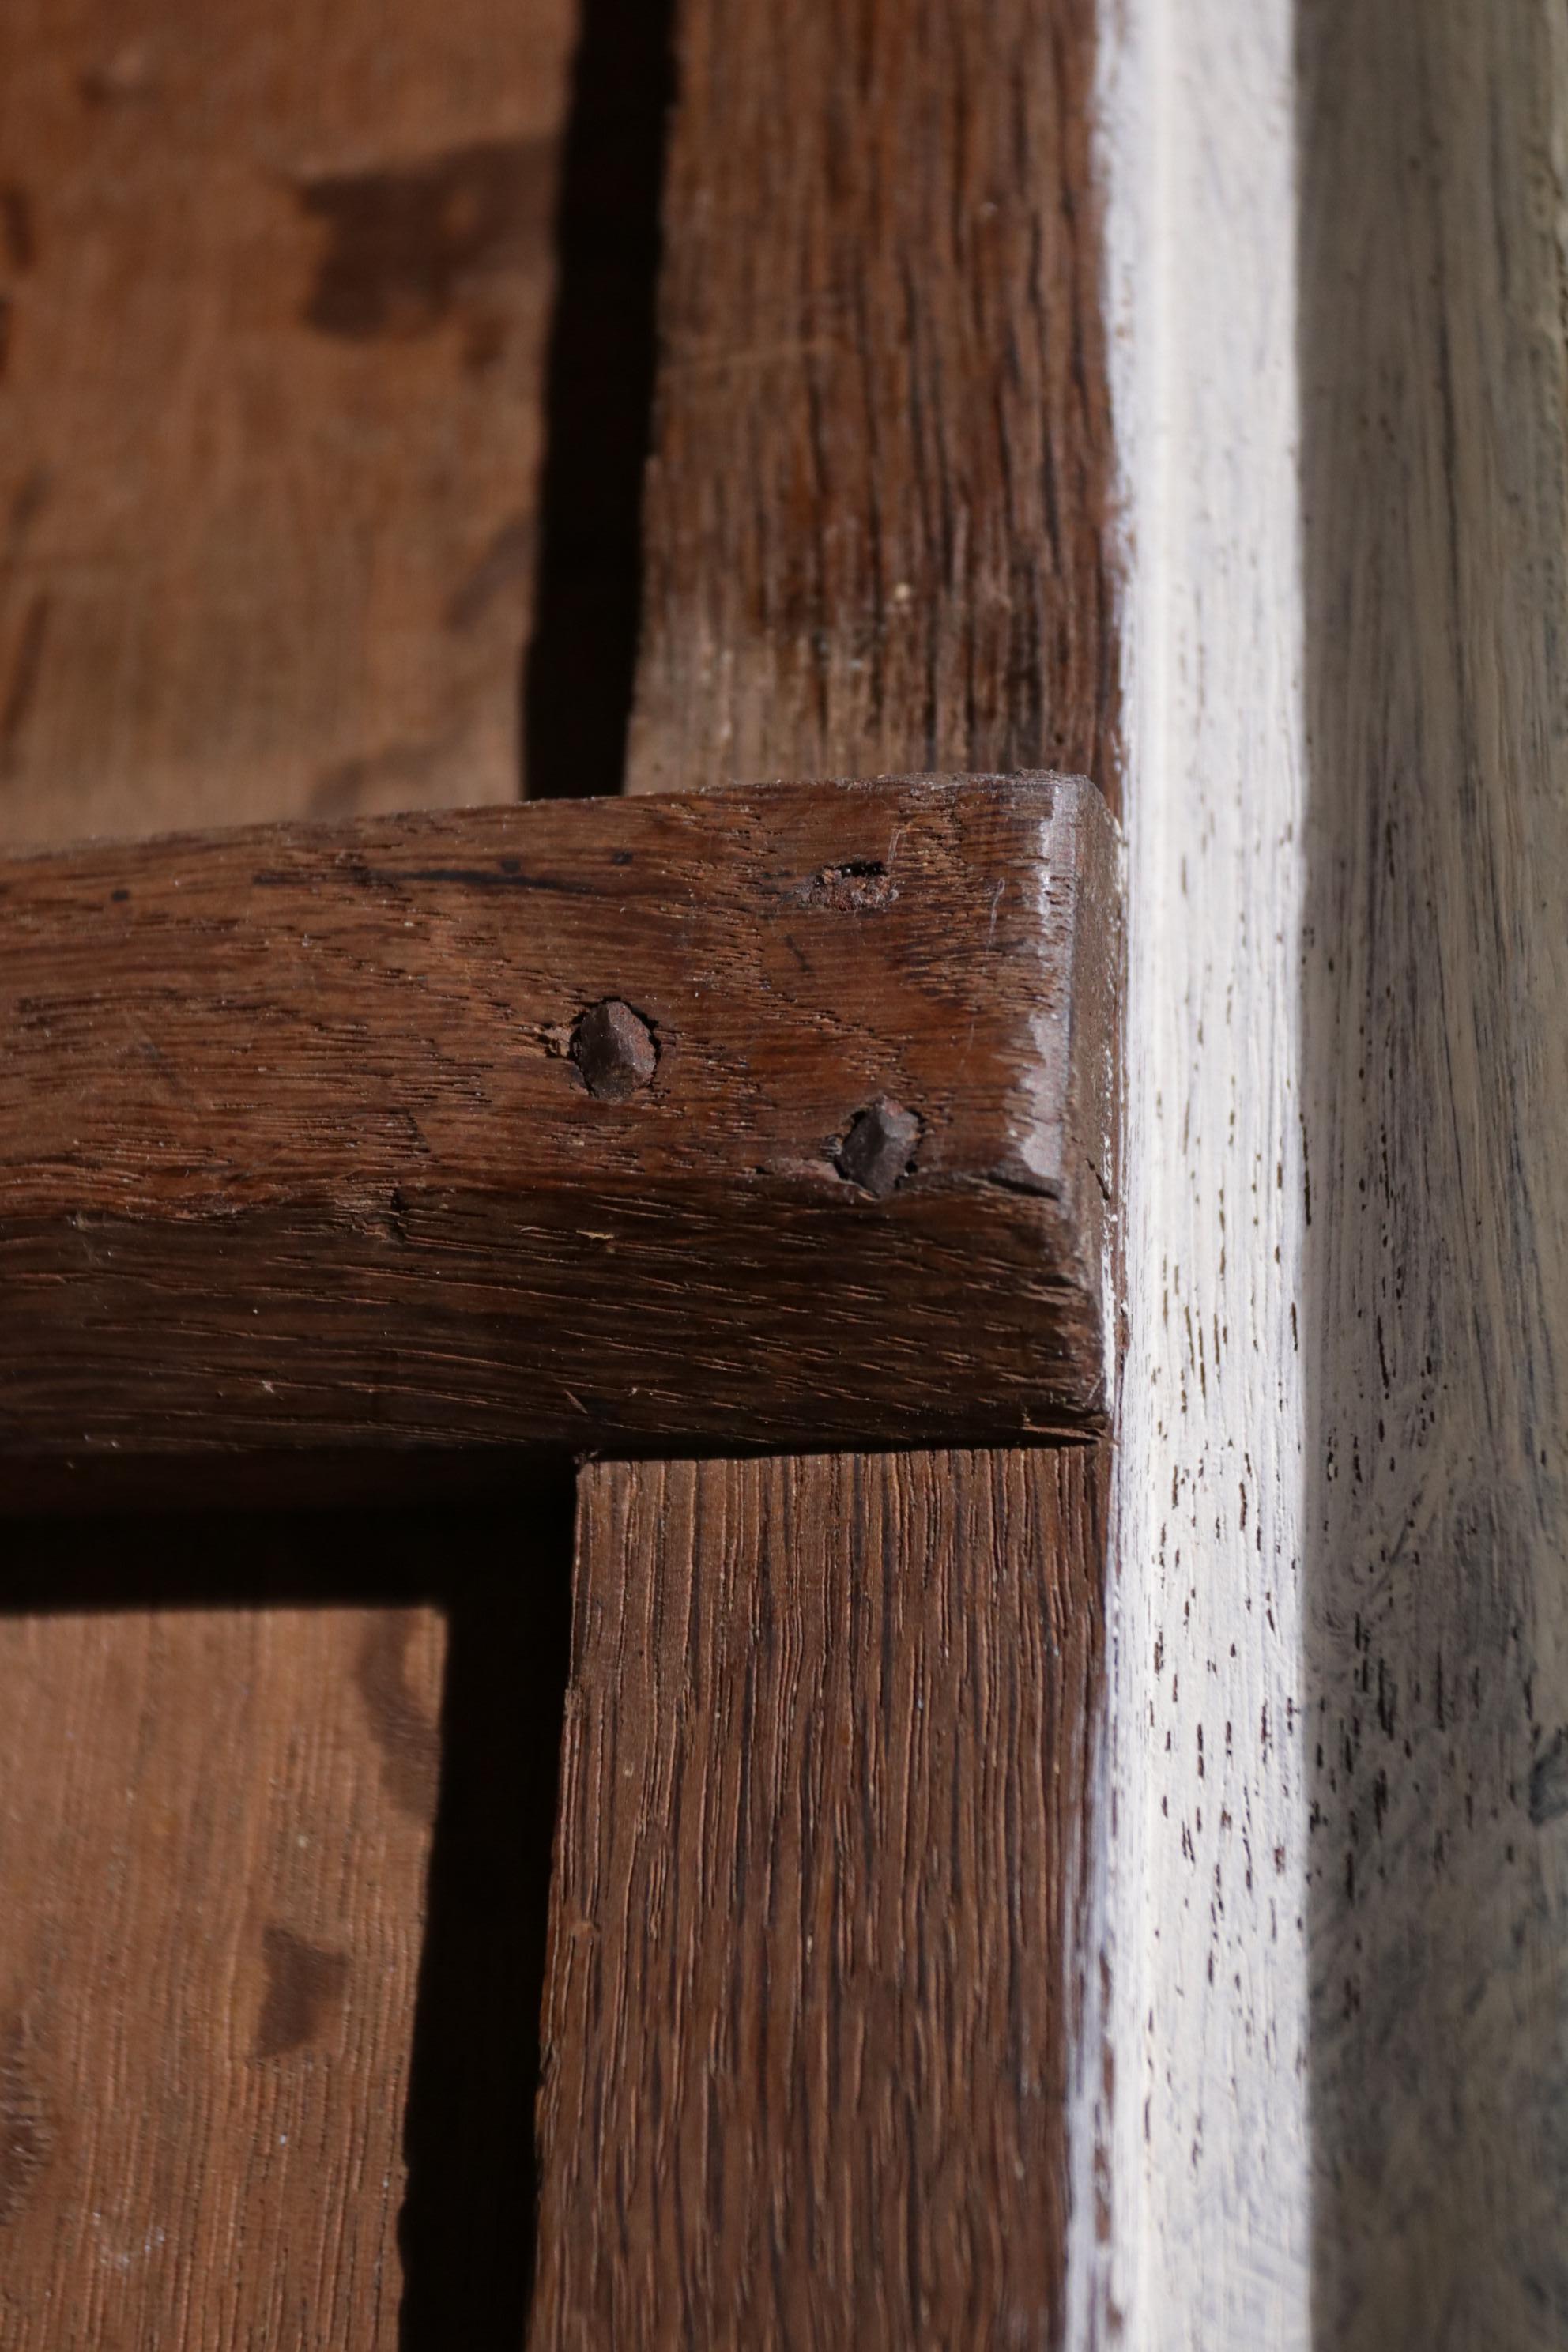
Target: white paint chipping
{"points": [[1201, 2147]]}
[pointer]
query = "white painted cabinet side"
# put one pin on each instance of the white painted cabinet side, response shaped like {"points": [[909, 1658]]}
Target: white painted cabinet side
{"points": [[1333, 1904], [1203, 1899]]}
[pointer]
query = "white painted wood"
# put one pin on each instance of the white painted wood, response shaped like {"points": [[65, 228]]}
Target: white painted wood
{"points": [[1337, 1950], [1204, 1905]]}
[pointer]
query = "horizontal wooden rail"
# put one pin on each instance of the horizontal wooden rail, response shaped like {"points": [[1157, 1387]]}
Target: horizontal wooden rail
{"points": [[768, 1117]]}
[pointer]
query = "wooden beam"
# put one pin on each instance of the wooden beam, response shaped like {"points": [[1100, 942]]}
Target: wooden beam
{"points": [[853, 1955], [851, 1787], [773, 1117]]}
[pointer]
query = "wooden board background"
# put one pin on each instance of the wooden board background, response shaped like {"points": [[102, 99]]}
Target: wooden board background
{"points": [[276, 287], [276, 1796], [212, 1842], [275, 293]]}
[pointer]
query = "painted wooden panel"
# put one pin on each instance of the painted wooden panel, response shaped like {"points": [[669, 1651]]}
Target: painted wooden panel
{"points": [[1333, 1914], [1195, 2128]]}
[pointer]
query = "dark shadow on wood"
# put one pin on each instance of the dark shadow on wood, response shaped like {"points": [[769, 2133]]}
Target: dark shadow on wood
{"points": [[216, 1559], [580, 666], [500, 1573], [467, 2227]]}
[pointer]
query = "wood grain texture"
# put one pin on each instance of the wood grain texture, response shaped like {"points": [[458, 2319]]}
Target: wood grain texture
{"points": [[1435, 1015], [1336, 1909], [274, 290], [214, 1828], [876, 518], [305, 1137], [1198, 2132], [275, 287], [876, 537], [807, 2036]]}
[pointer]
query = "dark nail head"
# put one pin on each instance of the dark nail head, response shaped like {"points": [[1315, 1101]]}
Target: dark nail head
{"points": [[879, 1147], [615, 1049]]}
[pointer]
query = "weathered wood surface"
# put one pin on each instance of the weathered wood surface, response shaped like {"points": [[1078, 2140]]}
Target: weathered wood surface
{"points": [[766, 1116], [877, 537], [214, 1831], [275, 291], [255, 564], [877, 522], [827, 1739], [1435, 1021]]}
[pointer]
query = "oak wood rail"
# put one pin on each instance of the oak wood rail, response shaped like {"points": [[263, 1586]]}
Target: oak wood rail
{"points": [[764, 1116]]}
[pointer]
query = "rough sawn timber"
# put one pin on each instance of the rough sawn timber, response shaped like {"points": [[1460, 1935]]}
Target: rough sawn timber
{"points": [[829, 1754], [877, 537], [303, 1140]]}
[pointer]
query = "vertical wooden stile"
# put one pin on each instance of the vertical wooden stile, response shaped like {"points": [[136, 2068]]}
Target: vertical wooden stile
{"points": [[815, 1962]]}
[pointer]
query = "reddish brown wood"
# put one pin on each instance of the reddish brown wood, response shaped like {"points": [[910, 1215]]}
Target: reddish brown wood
{"points": [[770, 1117], [806, 2034], [259, 557], [877, 516], [816, 1958], [214, 1831], [275, 288]]}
